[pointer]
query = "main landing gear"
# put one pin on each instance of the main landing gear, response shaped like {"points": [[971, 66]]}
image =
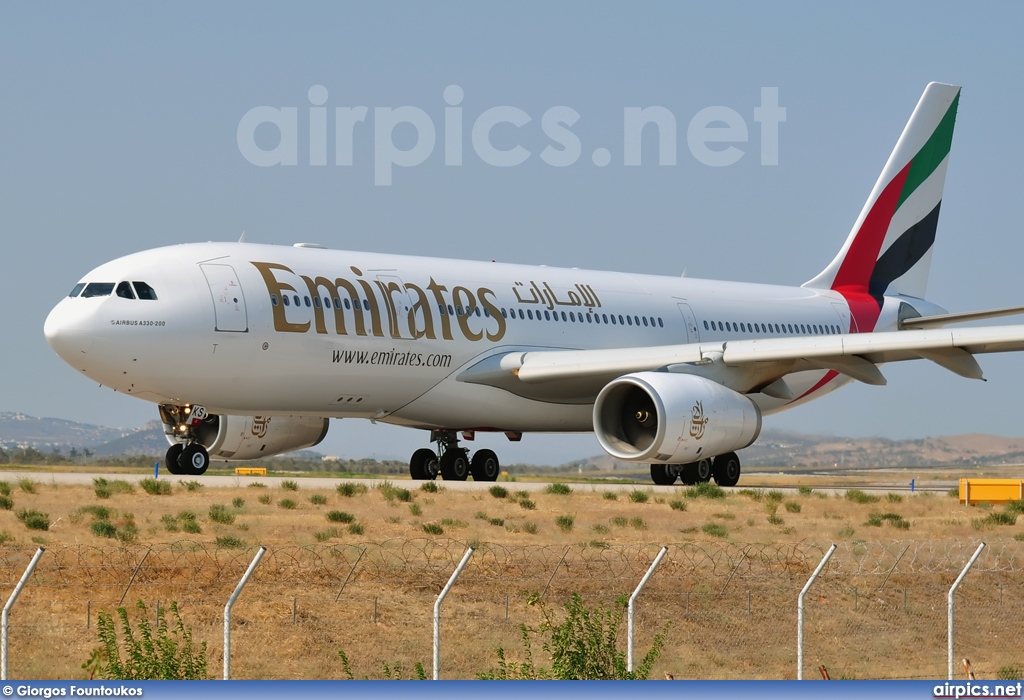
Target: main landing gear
{"points": [[725, 469], [187, 458], [452, 462]]}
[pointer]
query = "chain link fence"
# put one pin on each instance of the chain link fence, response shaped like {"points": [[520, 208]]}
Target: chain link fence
{"points": [[878, 610]]}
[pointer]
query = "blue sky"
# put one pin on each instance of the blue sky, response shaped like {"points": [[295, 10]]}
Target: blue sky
{"points": [[118, 132]]}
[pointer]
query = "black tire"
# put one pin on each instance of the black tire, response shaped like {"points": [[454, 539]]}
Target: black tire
{"points": [[703, 470], [688, 474], [484, 466], [171, 460], [727, 469], [454, 465], [194, 460], [423, 464], [663, 474]]}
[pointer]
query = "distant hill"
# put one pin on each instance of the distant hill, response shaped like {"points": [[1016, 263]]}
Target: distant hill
{"points": [[774, 448]]}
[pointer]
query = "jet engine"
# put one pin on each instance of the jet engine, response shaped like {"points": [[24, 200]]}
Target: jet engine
{"points": [[666, 418], [252, 437]]}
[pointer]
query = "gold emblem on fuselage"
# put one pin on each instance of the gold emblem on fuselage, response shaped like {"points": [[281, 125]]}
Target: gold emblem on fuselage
{"points": [[698, 421]]}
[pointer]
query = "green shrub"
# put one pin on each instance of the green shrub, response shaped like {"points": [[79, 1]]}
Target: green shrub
{"points": [[752, 494], [155, 487], [229, 542], [103, 528], [166, 653], [6, 502], [415, 509], [954, 492], [349, 489], [102, 488], [564, 522], [775, 519], [27, 485], [430, 487], [638, 496], [328, 534], [433, 528], [238, 502], [583, 646], [256, 485], [793, 507], [559, 489], [530, 528], [845, 532], [192, 486], [1015, 507], [394, 493], [995, 519], [98, 512], [1010, 673], [497, 521], [191, 527], [677, 505], [318, 499], [34, 519], [638, 523], [602, 529], [858, 496], [265, 498], [620, 521], [287, 504], [220, 514], [805, 490], [715, 530], [610, 496], [705, 489], [894, 498], [289, 485], [775, 495], [355, 529], [5, 488], [527, 504], [340, 516], [498, 491]]}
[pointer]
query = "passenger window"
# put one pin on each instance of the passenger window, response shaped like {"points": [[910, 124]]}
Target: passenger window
{"points": [[273, 300], [337, 303], [327, 302], [285, 299], [366, 304], [98, 289], [660, 324], [316, 302], [348, 305], [296, 299], [529, 314], [144, 291]]}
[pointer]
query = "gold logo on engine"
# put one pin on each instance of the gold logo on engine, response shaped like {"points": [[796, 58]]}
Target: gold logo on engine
{"points": [[259, 426], [698, 421]]}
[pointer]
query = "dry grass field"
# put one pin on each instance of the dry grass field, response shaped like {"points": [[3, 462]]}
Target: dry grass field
{"points": [[359, 570]]}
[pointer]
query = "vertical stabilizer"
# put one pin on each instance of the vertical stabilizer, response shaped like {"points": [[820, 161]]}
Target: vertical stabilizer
{"points": [[890, 247]]}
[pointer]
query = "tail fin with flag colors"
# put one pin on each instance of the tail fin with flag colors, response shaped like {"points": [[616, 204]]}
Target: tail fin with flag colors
{"points": [[890, 247]]}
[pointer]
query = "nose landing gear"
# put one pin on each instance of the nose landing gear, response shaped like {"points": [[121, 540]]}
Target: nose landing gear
{"points": [[188, 457], [452, 462]]}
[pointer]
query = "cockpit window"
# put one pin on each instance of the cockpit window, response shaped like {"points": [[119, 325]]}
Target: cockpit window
{"points": [[145, 291], [98, 289], [124, 290], [77, 290]]}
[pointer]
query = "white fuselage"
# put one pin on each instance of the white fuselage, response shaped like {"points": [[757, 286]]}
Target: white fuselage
{"points": [[257, 329]]}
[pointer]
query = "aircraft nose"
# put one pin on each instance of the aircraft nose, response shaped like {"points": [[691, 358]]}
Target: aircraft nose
{"points": [[66, 334]]}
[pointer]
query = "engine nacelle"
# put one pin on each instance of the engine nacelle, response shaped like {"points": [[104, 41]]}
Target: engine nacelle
{"points": [[252, 437], [660, 417]]}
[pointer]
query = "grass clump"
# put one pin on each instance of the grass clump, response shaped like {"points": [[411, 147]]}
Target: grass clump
{"points": [[530, 528], [1010, 673], [318, 499], [620, 521], [558, 489], [355, 529], [433, 528], [775, 519], [5, 488], [27, 485], [705, 489], [289, 485], [638, 523], [430, 487], [6, 502], [340, 516], [638, 496], [192, 486], [894, 498], [715, 530], [256, 485], [602, 529], [349, 489], [610, 496], [500, 522], [34, 519], [858, 496], [220, 514], [103, 528], [677, 505], [415, 509], [565, 522], [498, 491], [155, 487], [527, 504], [229, 542], [287, 504], [265, 499], [805, 490], [792, 507], [325, 535], [238, 502], [994, 520], [894, 519], [392, 493]]}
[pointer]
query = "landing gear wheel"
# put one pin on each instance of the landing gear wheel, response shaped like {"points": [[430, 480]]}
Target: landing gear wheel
{"points": [[727, 469], [664, 474], [703, 470], [454, 465], [423, 464], [171, 460], [194, 460], [484, 466]]}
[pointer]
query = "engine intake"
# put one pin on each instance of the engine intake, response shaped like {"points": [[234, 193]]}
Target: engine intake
{"points": [[668, 418]]}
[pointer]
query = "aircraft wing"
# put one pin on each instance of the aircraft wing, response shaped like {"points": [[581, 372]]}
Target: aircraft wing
{"points": [[856, 355]]}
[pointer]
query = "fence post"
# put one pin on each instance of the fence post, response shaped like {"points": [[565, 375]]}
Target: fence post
{"points": [[437, 611], [949, 601], [7, 611], [632, 602], [800, 614], [227, 610]]}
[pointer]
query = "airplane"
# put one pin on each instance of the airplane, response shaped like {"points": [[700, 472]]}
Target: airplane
{"points": [[248, 350]]}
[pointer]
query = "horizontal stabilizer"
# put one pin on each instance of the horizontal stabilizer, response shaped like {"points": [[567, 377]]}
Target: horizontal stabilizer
{"points": [[947, 319]]}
